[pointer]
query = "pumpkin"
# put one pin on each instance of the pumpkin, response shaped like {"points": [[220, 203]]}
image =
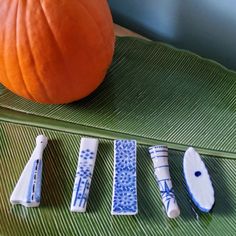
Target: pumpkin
{"points": [[54, 51]]}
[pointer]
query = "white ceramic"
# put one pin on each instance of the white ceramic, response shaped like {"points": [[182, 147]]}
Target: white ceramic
{"points": [[124, 198], [84, 173], [198, 180], [27, 191], [159, 155]]}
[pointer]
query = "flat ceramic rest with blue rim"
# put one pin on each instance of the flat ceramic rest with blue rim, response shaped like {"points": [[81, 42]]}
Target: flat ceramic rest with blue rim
{"points": [[198, 180], [53, 217], [154, 94]]}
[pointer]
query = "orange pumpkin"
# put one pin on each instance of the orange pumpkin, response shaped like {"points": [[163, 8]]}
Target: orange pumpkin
{"points": [[54, 51]]}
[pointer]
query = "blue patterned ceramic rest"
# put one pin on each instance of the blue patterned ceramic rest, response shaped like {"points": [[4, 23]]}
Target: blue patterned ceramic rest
{"points": [[198, 181], [84, 173], [159, 155], [27, 191], [124, 200]]}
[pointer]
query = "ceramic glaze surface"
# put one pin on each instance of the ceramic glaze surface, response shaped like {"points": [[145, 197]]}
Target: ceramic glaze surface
{"points": [[159, 155], [124, 182], [198, 180], [27, 191], [84, 173]]}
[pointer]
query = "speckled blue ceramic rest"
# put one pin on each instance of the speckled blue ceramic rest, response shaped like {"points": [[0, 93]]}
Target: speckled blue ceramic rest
{"points": [[124, 200]]}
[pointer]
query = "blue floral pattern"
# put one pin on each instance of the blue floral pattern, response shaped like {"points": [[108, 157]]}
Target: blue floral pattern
{"points": [[124, 184]]}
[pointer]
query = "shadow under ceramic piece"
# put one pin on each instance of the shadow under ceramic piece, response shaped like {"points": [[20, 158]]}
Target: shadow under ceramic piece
{"points": [[124, 200]]}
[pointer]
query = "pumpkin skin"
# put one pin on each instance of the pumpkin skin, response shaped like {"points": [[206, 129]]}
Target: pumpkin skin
{"points": [[55, 51]]}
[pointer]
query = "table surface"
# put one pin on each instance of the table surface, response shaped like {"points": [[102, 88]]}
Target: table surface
{"points": [[122, 31]]}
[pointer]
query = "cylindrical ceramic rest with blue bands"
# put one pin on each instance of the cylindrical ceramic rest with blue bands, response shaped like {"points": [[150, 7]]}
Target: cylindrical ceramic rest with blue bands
{"points": [[159, 155]]}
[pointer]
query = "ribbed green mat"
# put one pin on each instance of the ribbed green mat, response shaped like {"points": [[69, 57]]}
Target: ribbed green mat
{"points": [[53, 217], [155, 93]]}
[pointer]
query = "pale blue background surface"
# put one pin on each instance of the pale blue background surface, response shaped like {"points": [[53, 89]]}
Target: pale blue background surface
{"points": [[206, 27]]}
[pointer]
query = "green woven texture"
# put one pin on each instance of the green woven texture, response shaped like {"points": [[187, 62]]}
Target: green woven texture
{"points": [[152, 93], [155, 92], [53, 217]]}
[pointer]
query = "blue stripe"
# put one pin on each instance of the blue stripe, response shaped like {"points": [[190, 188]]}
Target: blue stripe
{"points": [[82, 197], [38, 182], [154, 151], [77, 191], [163, 180], [158, 146], [158, 157], [164, 166], [86, 199], [30, 186]]}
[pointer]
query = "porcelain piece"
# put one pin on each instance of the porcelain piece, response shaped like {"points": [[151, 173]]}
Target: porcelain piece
{"points": [[27, 191], [159, 155], [84, 173], [198, 180], [124, 200]]}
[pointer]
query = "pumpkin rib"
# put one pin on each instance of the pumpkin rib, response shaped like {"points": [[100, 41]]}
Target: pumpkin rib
{"points": [[57, 44], [54, 37], [3, 54], [17, 56], [4, 64], [102, 36], [97, 25], [49, 58], [32, 56]]}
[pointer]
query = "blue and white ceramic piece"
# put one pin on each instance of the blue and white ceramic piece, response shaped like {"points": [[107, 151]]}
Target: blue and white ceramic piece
{"points": [[159, 155], [84, 173], [27, 191], [198, 180], [124, 200]]}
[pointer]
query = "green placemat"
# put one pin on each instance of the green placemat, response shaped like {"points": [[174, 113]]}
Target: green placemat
{"points": [[53, 217], [154, 93]]}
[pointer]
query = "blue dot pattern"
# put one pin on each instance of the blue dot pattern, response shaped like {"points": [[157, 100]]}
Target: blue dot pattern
{"points": [[83, 178], [124, 183]]}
